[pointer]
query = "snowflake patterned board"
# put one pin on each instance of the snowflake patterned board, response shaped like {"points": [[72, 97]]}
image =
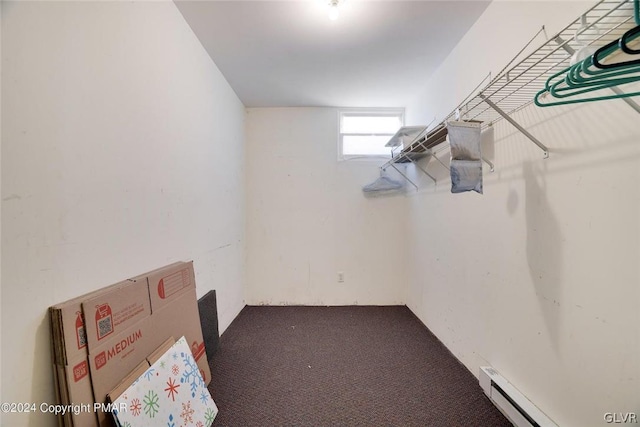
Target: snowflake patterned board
{"points": [[170, 393]]}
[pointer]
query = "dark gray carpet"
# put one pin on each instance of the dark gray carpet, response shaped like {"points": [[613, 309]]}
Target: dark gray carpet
{"points": [[341, 366]]}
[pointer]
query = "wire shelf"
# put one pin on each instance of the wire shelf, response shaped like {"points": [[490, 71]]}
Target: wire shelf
{"points": [[515, 86], [514, 89]]}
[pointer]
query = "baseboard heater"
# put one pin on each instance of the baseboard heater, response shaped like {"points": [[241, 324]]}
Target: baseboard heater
{"points": [[517, 408]]}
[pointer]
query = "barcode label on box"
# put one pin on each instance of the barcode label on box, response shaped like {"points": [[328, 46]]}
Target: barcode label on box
{"points": [[104, 321], [82, 337], [104, 327]]}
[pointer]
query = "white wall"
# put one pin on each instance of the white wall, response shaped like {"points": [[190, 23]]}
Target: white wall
{"points": [[539, 276], [307, 218], [122, 151]]}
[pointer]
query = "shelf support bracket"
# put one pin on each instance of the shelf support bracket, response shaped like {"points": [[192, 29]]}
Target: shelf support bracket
{"points": [[491, 167], [516, 125], [440, 161], [403, 175], [629, 101], [415, 163]]}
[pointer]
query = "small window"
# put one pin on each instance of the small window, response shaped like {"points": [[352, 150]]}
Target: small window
{"points": [[364, 133]]}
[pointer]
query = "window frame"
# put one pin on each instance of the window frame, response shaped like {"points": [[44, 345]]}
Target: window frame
{"points": [[366, 112]]}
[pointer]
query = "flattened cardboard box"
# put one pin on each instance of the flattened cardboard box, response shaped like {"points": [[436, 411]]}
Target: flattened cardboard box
{"points": [[167, 283], [174, 302], [144, 276], [139, 370], [110, 313], [164, 347], [56, 382], [181, 318], [79, 391], [118, 356], [69, 334], [126, 382], [69, 354], [175, 313]]}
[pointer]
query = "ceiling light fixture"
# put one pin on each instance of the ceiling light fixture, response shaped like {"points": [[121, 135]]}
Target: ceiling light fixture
{"points": [[334, 8]]}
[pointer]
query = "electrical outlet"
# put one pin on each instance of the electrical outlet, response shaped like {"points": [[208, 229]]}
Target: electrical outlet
{"points": [[340, 277]]}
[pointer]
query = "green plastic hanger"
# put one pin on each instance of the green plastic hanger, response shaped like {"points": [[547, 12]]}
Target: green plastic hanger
{"points": [[608, 49], [592, 75], [584, 72], [562, 90], [620, 44], [541, 94], [569, 82], [577, 76], [630, 35]]}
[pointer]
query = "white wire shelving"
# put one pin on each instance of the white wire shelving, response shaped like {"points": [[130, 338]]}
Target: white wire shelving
{"points": [[515, 86]]}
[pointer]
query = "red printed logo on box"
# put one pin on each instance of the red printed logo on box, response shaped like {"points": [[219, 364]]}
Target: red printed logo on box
{"points": [[101, 360], [81, 334], [173, 283], [104, 321], [80, 371]]}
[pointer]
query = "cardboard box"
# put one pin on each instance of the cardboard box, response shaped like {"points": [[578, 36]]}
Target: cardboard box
{"points": [[181, 318], [111, 361], [77, 385], [153, 357], [139, 370], [70, 357], [125, 325], [126, 382], [168, 283], [56, 387], [144, 276], [98, 336], [68, 331], [174, 303], [112, 312]]}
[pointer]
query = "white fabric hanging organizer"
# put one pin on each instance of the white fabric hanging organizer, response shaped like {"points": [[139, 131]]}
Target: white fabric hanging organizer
{"points": [[466, 156]]}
